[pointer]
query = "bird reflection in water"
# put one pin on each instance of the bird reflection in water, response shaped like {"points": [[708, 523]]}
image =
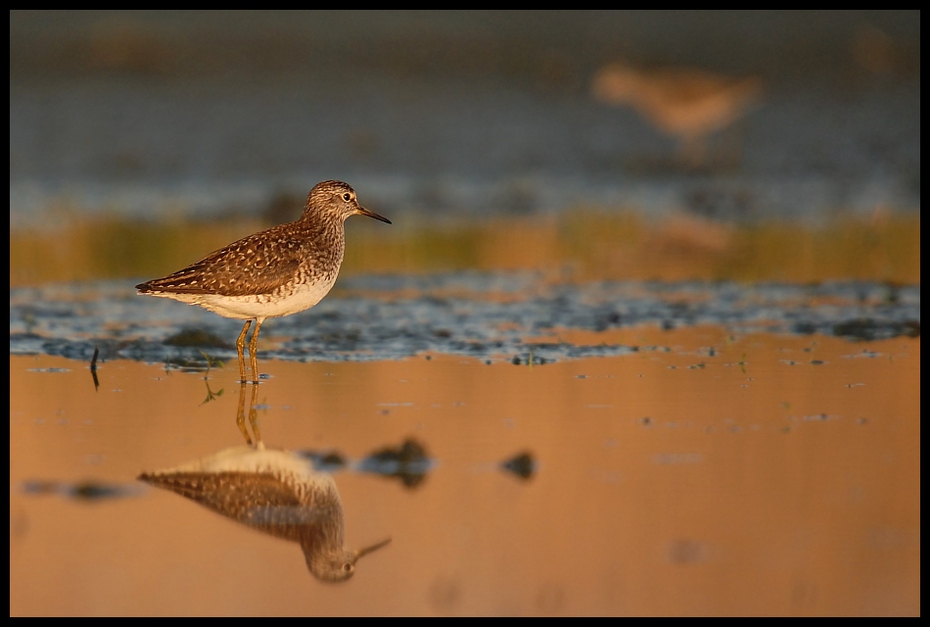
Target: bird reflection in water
{"points": [[274, 491]]}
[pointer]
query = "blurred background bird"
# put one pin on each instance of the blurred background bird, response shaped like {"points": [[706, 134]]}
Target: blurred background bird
{"points": [[685, 103]]}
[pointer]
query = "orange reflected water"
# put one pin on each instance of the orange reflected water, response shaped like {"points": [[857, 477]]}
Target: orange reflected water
{"points": [[771, 475]]}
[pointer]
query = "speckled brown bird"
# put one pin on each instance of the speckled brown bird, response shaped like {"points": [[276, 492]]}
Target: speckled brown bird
{"points": [[278, 272]]}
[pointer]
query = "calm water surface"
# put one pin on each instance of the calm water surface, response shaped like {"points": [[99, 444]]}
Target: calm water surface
{"points": [[749, 474]]}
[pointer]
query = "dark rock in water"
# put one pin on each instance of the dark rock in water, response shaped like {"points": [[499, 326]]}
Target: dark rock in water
{"points": [[92, 491], [521, 465], [197, 337], [867, 329], [408, 462], [328, 461], [83, 491]]}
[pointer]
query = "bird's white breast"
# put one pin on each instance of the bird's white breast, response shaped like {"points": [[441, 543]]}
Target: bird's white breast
{"points": [[289, 299]]}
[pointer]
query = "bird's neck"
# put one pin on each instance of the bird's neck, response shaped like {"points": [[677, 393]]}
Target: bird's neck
{"points": [[325, 233]]}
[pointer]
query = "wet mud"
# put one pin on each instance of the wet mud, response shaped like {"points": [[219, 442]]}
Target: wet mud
{"points": [[516, 317]]}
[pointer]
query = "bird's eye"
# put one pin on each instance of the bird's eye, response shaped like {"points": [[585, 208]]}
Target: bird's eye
{"points": [[347, 567], [347, 197]]}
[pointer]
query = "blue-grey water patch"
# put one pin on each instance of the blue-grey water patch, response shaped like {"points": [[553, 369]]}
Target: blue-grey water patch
{"points": [[515, 317]]}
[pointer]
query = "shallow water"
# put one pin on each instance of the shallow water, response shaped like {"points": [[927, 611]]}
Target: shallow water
{"points": [[771, 474]]}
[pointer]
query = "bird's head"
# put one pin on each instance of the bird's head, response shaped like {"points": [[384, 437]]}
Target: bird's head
{"points": [[337, 199]]}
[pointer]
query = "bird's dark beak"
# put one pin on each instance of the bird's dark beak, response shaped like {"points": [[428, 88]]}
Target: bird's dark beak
{"points": [[373, 547], [371, 214]]}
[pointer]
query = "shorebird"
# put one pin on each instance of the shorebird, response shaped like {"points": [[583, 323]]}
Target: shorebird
{"points": [[685, 103], [276, 492], [277, 272]]}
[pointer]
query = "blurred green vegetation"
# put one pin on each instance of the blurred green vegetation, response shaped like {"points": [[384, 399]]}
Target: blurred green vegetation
{"points": [[580, 246]]}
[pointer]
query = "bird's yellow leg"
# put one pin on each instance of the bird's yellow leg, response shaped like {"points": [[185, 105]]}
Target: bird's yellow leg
{"points": [[240, 346], [253, 350]]}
